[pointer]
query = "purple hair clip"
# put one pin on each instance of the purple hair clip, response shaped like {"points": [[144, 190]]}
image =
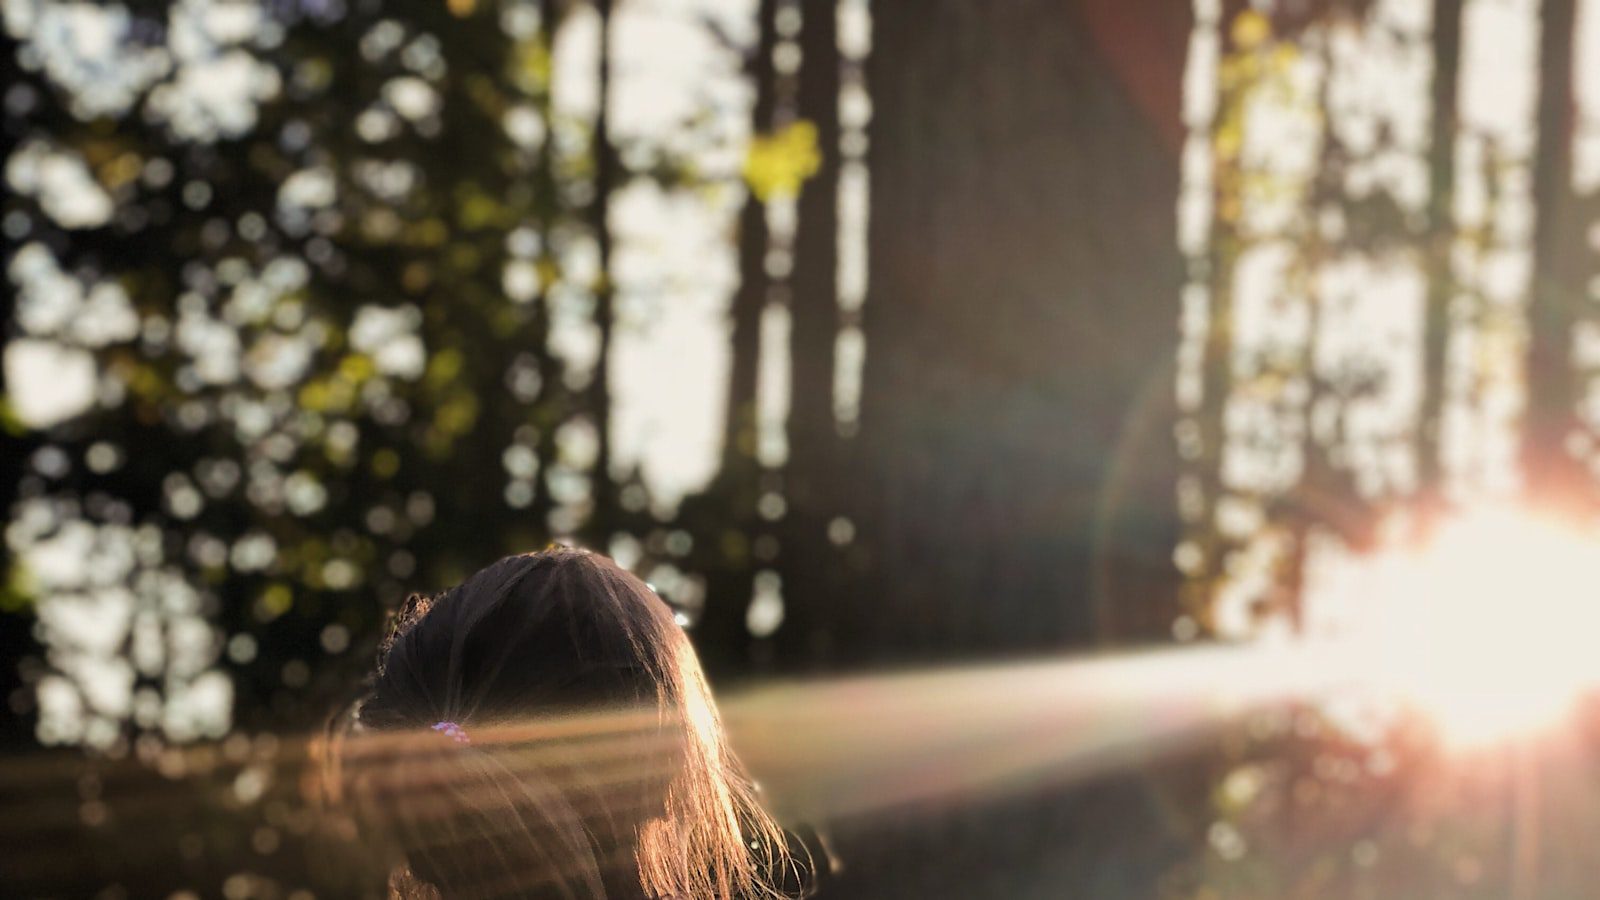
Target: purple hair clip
{"points": [[452, 731]]}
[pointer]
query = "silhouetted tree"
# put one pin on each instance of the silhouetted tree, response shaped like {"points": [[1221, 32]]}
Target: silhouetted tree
{"points": [[1019, 306], [1441, 237], [810, 565], [1555, 477]]}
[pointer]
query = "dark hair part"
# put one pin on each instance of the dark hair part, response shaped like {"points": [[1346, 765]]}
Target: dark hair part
{"points": [[597, 765]]}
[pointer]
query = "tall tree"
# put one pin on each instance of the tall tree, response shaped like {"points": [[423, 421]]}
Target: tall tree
{"points": [[1020, 304], [1019, 321], [1438, 246], [720, 516], [809, 562], [607, 172], [1552, 471], [16, 640]]}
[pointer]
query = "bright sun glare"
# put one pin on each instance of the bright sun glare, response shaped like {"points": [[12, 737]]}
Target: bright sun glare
{"points": [[1492, 629]]}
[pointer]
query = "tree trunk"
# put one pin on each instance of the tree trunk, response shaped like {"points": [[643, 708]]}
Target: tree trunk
{"points": [[1014, 451], [809, 563], [1441, 239], [728, 506], [607, 171], [1020, 320], [1554, 476]]}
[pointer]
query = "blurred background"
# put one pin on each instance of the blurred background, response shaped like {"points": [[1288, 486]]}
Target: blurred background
{"points": [[876, 336]]}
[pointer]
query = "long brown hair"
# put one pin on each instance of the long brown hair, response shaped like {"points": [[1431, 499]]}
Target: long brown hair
{"points": [[544, 730]]}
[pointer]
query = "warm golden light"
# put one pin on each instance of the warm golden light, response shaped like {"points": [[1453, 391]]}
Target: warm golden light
{"points": [[1492, 629]]}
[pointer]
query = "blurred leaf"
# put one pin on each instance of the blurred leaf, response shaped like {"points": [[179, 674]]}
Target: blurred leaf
{"points": [[778, 164]]}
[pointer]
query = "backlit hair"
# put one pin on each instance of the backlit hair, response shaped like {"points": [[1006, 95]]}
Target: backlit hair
{"points": [[596, 767]]}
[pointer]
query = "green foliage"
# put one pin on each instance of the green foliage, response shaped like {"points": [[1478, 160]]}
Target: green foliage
{"points": [[778, 164], [316, 381]]}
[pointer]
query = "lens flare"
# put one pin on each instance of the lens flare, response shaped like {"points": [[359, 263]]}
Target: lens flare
{"points": [[1490, 629]]}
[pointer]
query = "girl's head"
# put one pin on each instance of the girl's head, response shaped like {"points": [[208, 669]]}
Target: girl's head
{"points": [[590, 761]]}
